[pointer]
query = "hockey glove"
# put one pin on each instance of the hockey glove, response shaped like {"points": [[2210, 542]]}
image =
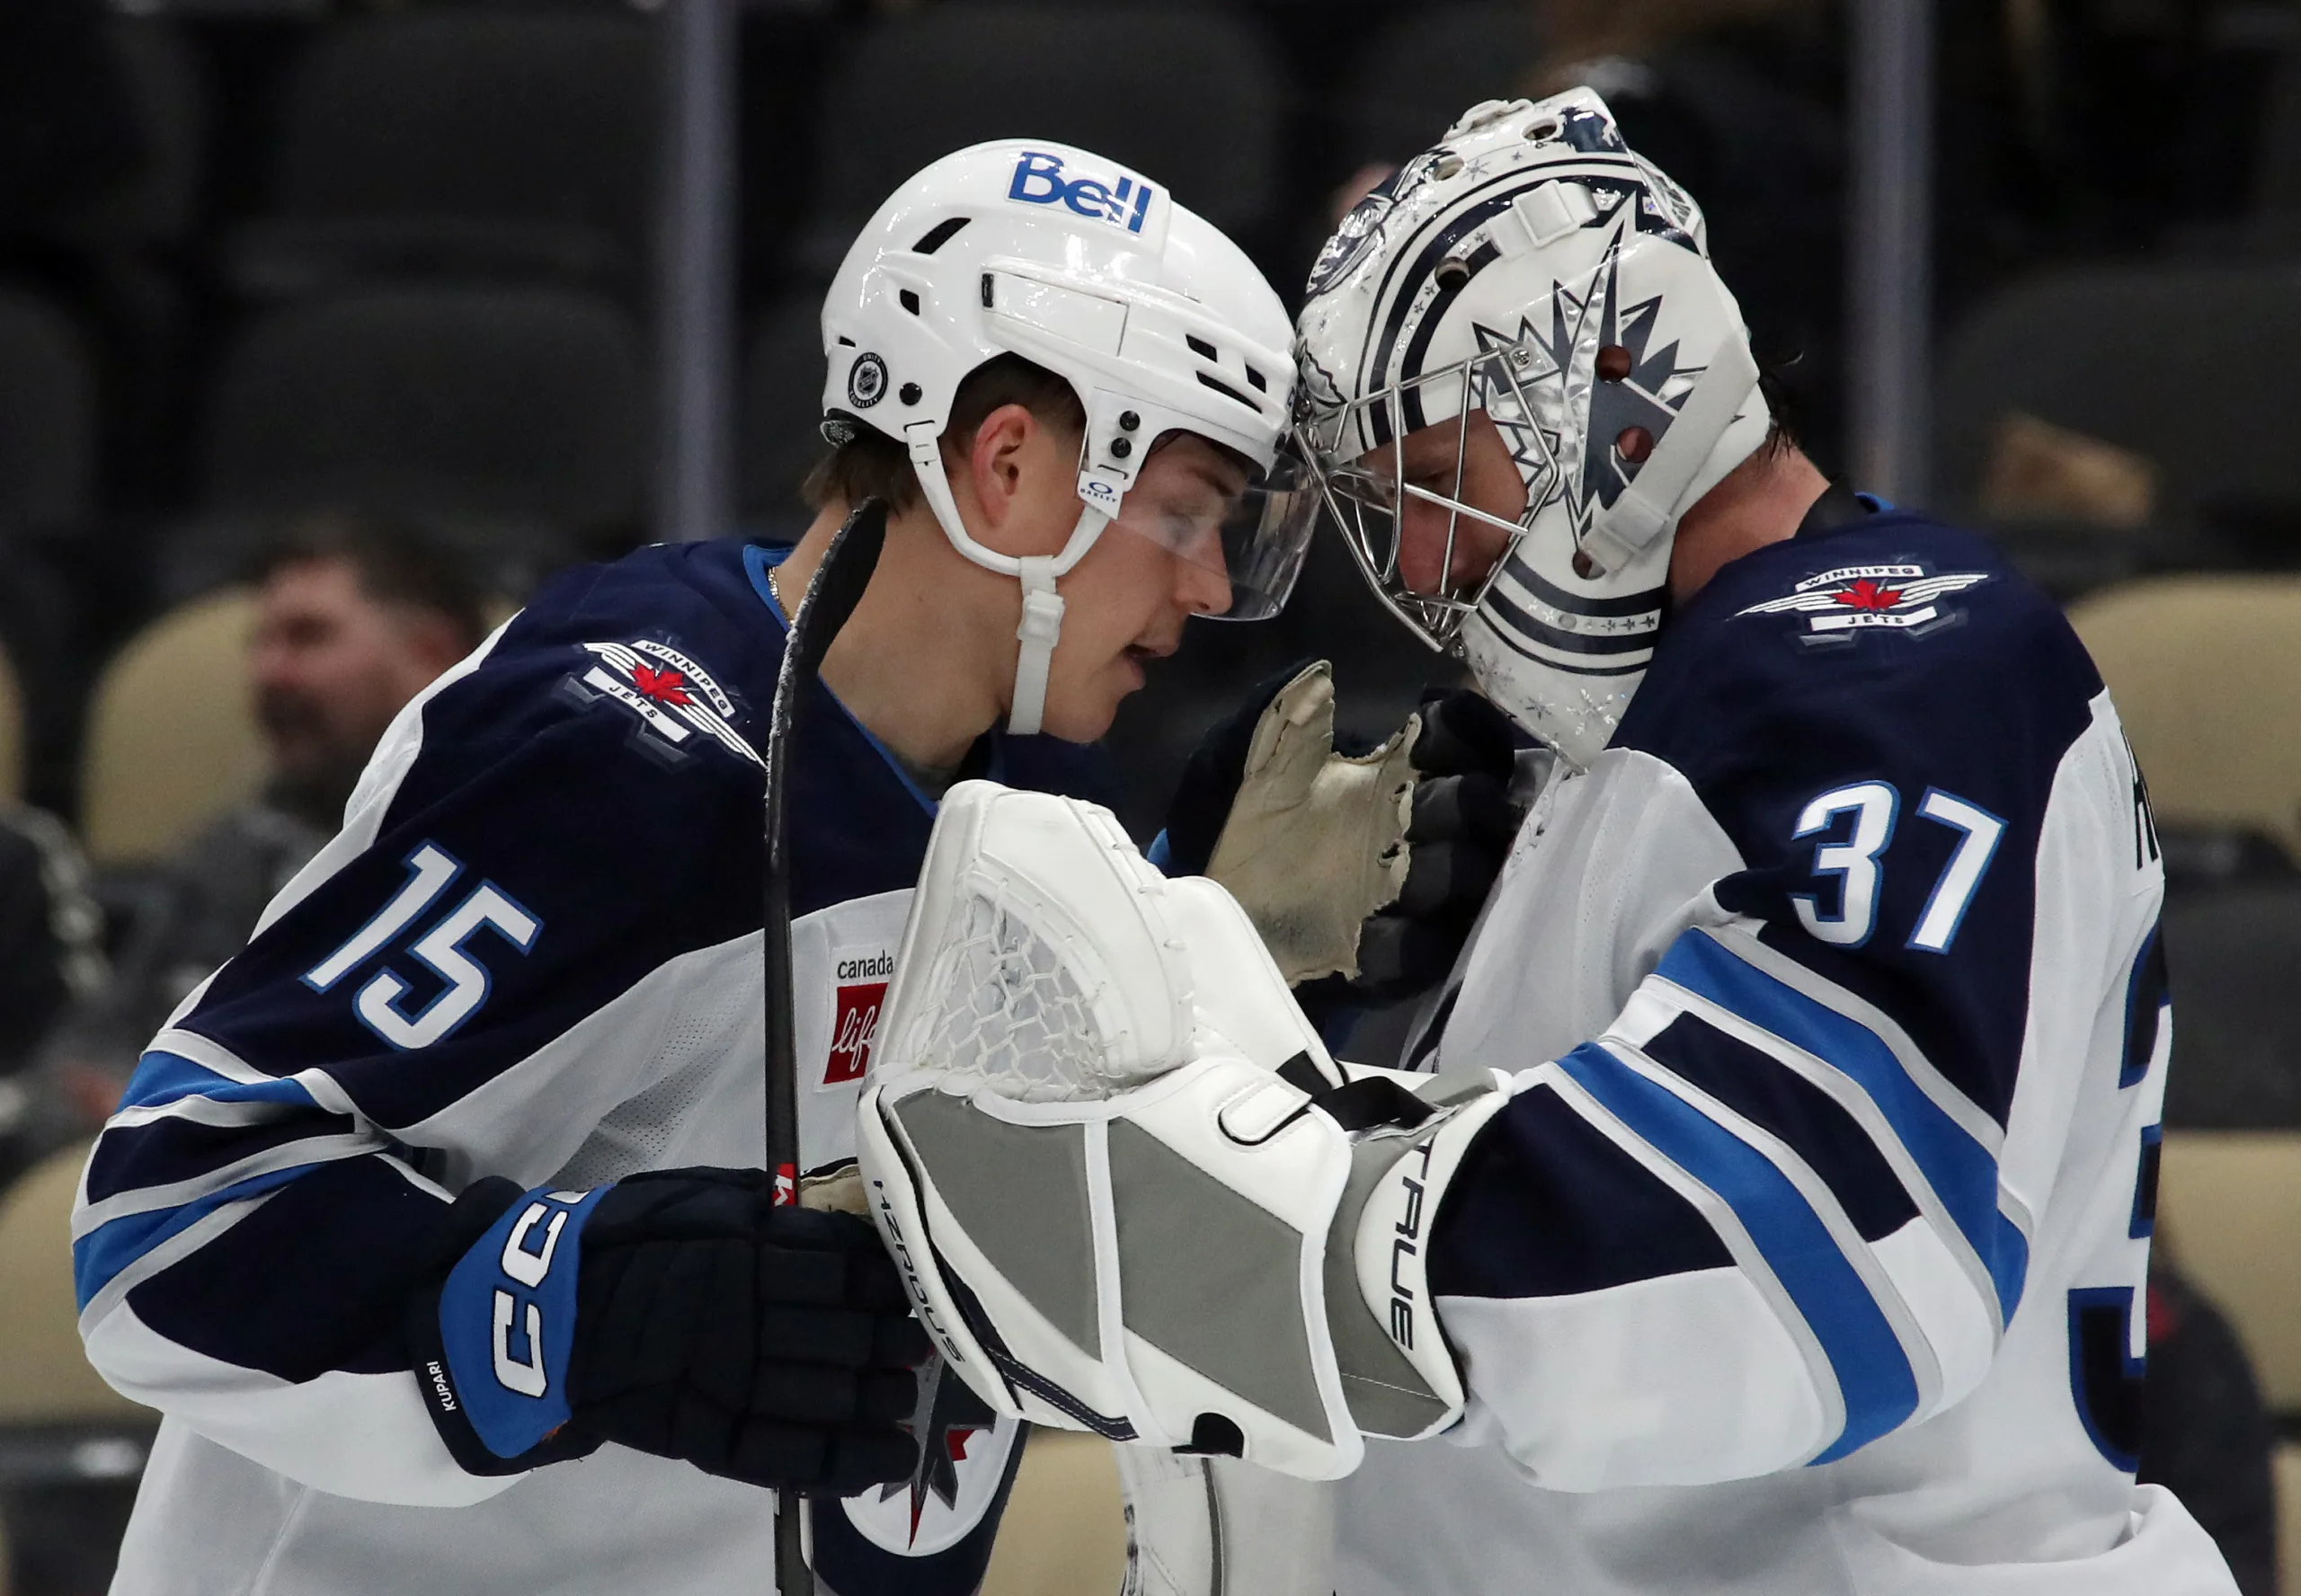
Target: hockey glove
{"points": [[1466, 815], [1113, 1213], [1307, 839], [679, 1313]]}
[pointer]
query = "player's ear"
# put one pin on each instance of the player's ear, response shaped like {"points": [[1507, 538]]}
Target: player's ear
{"points": [[997, 461]]}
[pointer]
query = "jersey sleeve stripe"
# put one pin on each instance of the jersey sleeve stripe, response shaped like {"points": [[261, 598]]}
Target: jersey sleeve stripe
{"points": [[1960, 1170], [149, 1160], [1787, 1106], [103, 1255], [164, 1076], [1872, 1371]]}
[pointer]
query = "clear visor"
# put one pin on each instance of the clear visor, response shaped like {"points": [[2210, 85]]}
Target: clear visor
{"points": [[1393, 477], [1244, 547]]}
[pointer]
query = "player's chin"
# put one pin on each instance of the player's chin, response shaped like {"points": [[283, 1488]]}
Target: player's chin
{"points": [[1085, 713]]}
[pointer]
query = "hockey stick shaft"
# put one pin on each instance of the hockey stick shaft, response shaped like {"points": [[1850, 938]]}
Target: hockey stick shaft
{"points": [[832, 593]]}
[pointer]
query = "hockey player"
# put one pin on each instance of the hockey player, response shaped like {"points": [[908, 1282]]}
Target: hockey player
{"points": [[1774, 1215], [444, 1193]]}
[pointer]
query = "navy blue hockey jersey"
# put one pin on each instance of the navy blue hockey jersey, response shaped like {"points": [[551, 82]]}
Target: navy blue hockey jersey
{"points": [[534, 951]]}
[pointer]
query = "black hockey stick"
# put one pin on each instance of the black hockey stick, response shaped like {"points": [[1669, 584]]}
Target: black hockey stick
{"points": [[830, 597]]}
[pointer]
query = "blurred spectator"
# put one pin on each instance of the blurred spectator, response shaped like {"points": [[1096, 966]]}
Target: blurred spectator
{"points": [[353, 619], [2205, 1435]]}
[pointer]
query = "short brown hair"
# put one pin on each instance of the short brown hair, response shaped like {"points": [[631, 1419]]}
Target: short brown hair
{"points": [[873, 465]]}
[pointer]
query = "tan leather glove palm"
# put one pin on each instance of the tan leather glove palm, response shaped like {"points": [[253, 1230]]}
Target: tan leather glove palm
{"points": [[1315, 840]]}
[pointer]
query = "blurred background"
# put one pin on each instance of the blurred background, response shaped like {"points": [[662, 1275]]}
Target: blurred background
{"points": [[326, 326]]}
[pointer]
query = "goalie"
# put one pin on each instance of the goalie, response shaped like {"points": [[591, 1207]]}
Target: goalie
{"points": [[1769, 1211]]}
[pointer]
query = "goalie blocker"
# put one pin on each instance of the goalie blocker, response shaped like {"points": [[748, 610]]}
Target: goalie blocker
{"points": [[1129, 1189]]}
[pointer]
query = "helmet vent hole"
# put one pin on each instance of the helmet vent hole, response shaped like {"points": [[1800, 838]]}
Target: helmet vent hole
{"points": [[844, 342], [986, 290], [1257, 381], [910, 298], [1229, 391], [1634, 444], [1613, 363], [1202, 349], [1585, 567], [940, 235], [1449, 164], [1453, 273], [1541, 129]]}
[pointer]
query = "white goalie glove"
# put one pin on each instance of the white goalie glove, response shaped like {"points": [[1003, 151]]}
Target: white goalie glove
{"points": [[1130, 1192]]}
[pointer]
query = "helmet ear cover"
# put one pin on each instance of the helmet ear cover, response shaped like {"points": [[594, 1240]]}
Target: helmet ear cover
{"points": [[1535, 270]]}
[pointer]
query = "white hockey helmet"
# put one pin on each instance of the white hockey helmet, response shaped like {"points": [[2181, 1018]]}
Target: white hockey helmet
{"points": [[1158, 322], [1533, 267]]}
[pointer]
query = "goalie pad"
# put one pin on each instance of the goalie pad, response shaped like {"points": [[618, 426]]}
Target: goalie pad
{"points": [[1113, 1213]]}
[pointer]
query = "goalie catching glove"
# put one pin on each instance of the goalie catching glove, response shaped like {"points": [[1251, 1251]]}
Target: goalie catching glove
{"points": [[1129, 1189]]}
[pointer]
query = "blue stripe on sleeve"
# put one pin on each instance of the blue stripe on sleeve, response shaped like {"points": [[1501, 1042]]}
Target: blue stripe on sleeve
{"points": [[162, 1077], [1960, 1170], [1872, 1371], [101, 1255]]}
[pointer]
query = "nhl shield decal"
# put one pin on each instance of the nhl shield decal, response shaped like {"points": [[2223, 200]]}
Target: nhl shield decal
{"points": [[1854, 599]]}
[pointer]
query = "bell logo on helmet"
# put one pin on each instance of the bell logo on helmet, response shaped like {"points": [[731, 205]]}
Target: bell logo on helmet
{"points": [[867, 381], [1038, 180]]}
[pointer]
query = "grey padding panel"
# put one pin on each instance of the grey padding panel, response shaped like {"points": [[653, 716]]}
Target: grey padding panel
{"points": [[1209, 1278], [1386, 1395], [1020, 1193]]}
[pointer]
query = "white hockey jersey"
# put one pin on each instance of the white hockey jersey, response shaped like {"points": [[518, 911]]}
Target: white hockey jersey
{"points": [[533, 951], [1808, 1254]]}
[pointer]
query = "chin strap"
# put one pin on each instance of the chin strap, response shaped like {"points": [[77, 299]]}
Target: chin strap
{"points": [[1042, 624]]}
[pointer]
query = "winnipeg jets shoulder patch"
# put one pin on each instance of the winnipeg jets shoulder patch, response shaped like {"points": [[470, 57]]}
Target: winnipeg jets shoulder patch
{"points": [[677, 701], [1902, 597]]}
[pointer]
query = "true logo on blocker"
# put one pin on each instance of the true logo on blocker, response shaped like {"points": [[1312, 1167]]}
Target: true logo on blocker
{"points": [[1039, 180]]}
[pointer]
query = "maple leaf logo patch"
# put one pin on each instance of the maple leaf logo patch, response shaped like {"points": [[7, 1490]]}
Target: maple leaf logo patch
{"points": [[664, 686], [1854, 597], [678, 703]]}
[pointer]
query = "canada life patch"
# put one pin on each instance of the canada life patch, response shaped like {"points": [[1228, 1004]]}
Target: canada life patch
{"points": [[861, 993], [1858, 597], [678, 705]]}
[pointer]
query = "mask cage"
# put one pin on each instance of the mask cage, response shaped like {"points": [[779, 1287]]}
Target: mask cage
{"points": [[1356, 452]]}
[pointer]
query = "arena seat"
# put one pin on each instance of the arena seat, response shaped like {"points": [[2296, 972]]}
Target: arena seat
{"points": [[1064, 1530], [2230, 1203], [515, 403], [2206, 674], [462, 142], [47, 421], [1189, 98], [171, 742], [2121, 354], [2233, 952]]}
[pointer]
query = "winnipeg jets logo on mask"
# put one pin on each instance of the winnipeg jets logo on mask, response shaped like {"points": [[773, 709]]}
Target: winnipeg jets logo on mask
{"points": [[1630, 414], [1855, 598]]}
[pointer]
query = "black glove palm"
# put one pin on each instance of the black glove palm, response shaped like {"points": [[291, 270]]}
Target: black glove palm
{"points": [[1464, 820]]}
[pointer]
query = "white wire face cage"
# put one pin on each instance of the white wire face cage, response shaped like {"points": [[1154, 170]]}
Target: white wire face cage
{"points": [[1368, 489]]}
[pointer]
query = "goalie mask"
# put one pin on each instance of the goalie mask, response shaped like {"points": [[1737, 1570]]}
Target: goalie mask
{"points": [[1159, 323], [1533, 271]]}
